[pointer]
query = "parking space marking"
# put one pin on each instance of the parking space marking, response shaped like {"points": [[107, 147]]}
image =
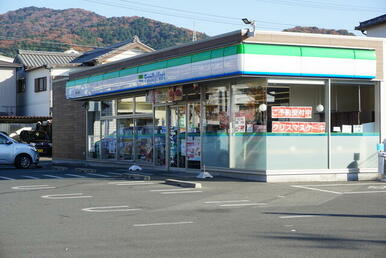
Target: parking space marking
{"points": [[372, 186], [377, 187], [7, 178], [58, 177], [66, 196], [216, 202], [180, 192], [31, 177], [364, 192], [33, 187], [163, 224], [97, 175], [243, 204], [73, 175], [171, 190], [109, 209], [315, 189], [134, 183], [297, 216], [114, 173]]}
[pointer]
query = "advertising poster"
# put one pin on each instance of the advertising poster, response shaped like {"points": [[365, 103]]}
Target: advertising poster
{"points": [[298, 127], [291, 112], [240, 124], [178, 93]]}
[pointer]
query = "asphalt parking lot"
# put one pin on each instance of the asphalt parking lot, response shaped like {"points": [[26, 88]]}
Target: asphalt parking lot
{"points": [[74, 213]]}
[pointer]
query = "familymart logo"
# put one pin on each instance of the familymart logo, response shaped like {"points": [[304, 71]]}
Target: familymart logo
{"points": [[152, 77]]}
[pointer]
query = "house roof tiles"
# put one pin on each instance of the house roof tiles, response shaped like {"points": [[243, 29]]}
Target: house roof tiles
{"points": [[372, 22], [32, 59]]}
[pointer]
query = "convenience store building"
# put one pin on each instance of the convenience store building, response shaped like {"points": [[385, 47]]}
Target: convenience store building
{"points": [[267, 106]]}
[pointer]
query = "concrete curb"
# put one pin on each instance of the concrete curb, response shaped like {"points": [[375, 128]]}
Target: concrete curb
{"points": [[86, 170], [136, 176], [183, 183]]}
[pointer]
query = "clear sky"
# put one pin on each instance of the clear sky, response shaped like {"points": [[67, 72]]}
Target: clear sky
{"points": [[220, 16]]}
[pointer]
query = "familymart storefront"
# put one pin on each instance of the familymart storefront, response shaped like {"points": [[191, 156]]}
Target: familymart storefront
{"points": [[270, 112]]}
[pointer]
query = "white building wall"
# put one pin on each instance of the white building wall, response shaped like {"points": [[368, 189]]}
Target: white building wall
{"points": [[377, 31], [124, 54], [8, 90], [382, 94], [31, 103]]}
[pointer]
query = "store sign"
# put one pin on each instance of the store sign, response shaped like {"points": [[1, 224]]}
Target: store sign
{"points": [[298, 127], [291, 112]]}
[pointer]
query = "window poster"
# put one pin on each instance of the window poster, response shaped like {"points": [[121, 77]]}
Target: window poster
{"points": [[298, 127], [291, 112], [239, 124], [193, 148]]}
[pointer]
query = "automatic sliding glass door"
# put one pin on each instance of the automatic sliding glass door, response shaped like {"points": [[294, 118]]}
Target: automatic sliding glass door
{"points": [[177, 141], [184, 136]]}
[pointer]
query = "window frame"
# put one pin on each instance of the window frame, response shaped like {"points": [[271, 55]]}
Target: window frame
{"points": [[40, 84]]}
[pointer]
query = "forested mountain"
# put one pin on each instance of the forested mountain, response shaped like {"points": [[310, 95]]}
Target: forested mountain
{"points": [[47, 29], [319, 31]]}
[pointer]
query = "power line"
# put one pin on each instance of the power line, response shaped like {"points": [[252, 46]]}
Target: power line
{"points": [[180, 15], [323, 5], [201, 13]]}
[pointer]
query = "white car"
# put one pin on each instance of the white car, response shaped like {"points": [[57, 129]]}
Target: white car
{"points": [[20, 154]]}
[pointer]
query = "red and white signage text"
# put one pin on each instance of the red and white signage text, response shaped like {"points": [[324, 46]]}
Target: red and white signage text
{"points": [[298, 127], [291, 112]]}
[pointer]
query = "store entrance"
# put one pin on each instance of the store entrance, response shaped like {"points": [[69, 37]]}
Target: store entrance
{"points": [[184, 136]]}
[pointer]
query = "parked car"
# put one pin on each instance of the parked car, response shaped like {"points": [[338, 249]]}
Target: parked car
{"points": [[20, 154]]}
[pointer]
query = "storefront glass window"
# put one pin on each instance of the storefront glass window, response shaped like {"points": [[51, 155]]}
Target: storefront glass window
{"points": [[125, 139], [142, 106], [108, 108], [108, 141], [215, 140], [249, 124], [354, 127], [93, 130], [296, 126], [144, 139], [160, 128], [125, 106]]}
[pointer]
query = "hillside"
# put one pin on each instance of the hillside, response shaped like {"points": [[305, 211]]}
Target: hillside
{"points": [[47, 29], [319, 31]]}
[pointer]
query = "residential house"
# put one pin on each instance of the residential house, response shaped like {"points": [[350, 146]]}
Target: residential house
{"points": [[40, 68], [375, 27], [7, 88]]}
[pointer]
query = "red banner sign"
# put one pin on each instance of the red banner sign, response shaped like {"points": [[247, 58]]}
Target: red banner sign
{"points": [[291, 112], [298, 127]]}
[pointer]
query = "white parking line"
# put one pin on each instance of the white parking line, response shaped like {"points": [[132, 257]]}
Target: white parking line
{"points": [[125, 182], [31, 177], [114, 173], [163, 224], [33, 187], [66, 196], [181, 192], [73, 175], [316, 189], [109, 209], [364, 192], [7, 178], [297, 216], [214, 202], [97, 175], [171, 190], [243, 204], [58, 177], [139, 183]]}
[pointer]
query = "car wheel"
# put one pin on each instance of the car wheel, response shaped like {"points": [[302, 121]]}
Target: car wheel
{"points": [[23, 161]]}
